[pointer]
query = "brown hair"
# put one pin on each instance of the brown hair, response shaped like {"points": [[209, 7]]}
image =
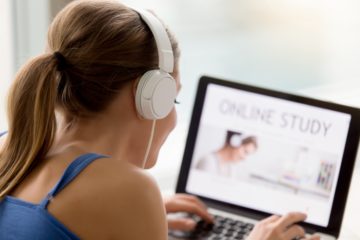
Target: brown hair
{"points": [[104, 44], [250, 140]]}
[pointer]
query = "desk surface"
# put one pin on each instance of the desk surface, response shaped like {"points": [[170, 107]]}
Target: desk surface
{"points": [[351, 223]]}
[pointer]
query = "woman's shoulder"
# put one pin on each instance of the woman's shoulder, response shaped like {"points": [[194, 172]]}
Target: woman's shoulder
{"points": [[119, 179], [110, 174], [120, 200]]}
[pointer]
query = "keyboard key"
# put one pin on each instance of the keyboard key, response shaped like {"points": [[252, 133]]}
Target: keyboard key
{"points": [[223, 228]]}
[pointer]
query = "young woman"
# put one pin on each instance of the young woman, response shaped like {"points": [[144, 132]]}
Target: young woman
{"points": [[224, 161], [84, 121]]}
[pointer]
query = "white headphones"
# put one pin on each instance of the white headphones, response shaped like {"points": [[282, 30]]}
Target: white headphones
{"points": [[156, 90], [236, 140]]}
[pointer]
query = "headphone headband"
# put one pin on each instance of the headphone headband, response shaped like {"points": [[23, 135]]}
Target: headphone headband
{"points": [[156, 90], [166, 56]]}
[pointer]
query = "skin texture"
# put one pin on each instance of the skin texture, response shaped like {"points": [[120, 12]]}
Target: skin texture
{"points": [[245, 150]]}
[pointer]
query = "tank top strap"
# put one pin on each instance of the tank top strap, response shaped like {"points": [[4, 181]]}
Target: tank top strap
{"points": [[79, 164]]}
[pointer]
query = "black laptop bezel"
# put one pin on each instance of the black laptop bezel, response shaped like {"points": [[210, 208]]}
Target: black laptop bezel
{"points": [[346, 170]]}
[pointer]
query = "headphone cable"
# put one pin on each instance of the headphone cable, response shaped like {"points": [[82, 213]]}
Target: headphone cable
{"points": [[147, 152]]}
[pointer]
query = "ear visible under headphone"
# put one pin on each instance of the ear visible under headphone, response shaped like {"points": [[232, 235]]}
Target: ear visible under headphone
{"points": [[156, 90]]}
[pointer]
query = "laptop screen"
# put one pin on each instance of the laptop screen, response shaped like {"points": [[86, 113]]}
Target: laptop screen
{"points": [[268, 154]]}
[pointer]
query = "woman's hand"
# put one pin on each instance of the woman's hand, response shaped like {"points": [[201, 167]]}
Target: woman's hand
{"points": [[280, 228], [189, 204]]}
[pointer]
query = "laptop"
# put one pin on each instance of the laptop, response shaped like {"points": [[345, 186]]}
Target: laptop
{"points": [[252, 152]]}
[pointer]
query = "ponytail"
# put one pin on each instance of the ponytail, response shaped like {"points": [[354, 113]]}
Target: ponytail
{"points": [[32, 123], [103, 45]]}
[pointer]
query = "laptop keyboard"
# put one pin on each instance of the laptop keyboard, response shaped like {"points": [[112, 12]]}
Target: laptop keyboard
{"points": [[223, 228]]}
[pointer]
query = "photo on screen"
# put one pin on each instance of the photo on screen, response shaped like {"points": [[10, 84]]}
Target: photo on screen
{"points": [[264, 161]]}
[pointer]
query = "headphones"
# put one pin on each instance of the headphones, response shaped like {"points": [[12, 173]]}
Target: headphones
{"points": [[236, 140], [156, 90]]}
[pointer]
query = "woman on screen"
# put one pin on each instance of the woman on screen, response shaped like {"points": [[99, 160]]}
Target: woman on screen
{"points": [[223, 162], [82, 129]]}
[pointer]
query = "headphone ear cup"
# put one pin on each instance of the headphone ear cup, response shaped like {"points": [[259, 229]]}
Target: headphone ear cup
{"points": [[235, 140], [155, 94]]}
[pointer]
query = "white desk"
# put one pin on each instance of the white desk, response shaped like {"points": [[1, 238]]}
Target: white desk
{"points": [[351, 224]]}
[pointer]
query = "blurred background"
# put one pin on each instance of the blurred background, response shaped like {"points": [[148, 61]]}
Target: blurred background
{"points": [[303, 46]]}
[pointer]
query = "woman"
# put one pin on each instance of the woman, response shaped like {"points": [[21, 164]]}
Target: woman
{"points": [[80, 100], [223, 162]]}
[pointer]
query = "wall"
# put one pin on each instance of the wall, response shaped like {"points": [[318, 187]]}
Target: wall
{"points": [[6, 59]]}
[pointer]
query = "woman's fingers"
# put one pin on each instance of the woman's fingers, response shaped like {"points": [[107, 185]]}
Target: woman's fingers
{"points": [[294, 231], [184, 224], [271, 219], [191, 198], [194, 208], [289, 219], [313, 237], [189, 204], [284, 227]]}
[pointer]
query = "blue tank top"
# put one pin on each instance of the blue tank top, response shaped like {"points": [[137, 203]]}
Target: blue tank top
{"points": [[21, 220]]}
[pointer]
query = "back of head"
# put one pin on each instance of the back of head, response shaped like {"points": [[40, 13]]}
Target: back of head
{"points": [[105, 44], [99, 46]]}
